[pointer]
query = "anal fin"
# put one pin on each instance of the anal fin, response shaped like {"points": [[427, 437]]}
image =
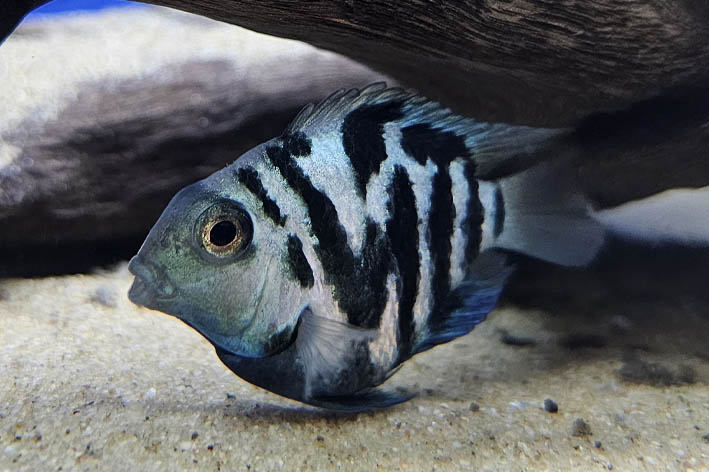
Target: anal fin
{"points": [[372, 399]]}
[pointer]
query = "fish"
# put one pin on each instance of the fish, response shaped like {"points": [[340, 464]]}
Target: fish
{"points": [[378, 225]]}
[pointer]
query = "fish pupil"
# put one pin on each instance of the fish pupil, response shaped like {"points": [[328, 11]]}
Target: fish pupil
{"points": [[222, 233]]}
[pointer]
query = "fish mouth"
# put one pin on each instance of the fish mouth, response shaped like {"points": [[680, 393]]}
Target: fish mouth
{"points": [[140, 294], [149, 286]]}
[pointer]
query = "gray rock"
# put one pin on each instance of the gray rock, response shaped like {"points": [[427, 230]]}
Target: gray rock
{"points": [[93, 145], [547, 63]]}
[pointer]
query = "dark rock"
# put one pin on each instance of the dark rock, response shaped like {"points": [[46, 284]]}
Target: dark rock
{"points": [[597, 444], [547, 63], [194, 436], [706, 438], [474, 406], [580, 428], [550, 405]]}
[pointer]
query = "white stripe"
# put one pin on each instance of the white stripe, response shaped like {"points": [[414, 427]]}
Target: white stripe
{"points": [[461, 194], [383, 349], [486, 192], [330, 171]]}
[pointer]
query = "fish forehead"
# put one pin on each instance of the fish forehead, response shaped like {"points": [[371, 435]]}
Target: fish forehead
{"points": [[218, 186], [175, 226]]}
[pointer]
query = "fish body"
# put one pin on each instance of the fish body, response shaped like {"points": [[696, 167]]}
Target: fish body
{"points": [[368, 232]]}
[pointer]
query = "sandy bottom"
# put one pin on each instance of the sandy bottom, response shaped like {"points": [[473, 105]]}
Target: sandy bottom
{"points": [[92, 382]]}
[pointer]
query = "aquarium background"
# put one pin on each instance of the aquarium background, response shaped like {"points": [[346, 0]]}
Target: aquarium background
{"points": [[108, 112]]}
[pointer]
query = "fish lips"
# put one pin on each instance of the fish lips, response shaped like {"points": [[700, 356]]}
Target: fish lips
{"points": [[149, 288]]}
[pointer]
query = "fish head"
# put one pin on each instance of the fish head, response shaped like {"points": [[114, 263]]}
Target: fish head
{"points": [[214, 260]]}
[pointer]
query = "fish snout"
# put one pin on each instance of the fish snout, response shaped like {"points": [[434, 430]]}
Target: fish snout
{"points": [[149, 285]]}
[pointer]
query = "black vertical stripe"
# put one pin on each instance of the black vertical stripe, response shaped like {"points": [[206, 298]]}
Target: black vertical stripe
{"points": [[359, 282], [440, 225], [363, 138], [297, 262], [474, 214], [423, 142], [297, 144], [402, 229], [499, 205], [249, 178]]}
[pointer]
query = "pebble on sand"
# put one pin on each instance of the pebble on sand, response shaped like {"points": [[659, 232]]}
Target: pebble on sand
{"points": [[580, 428], [105, 296], [550, 405]]}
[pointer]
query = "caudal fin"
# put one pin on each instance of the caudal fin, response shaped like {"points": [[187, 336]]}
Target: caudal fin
{"points": [[546, 217]]}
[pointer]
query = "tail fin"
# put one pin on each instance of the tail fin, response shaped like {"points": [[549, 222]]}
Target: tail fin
{"points": [[546, 217]]}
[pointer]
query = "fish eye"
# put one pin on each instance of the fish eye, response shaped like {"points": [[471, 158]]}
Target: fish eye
{"points": [[224, 230]]}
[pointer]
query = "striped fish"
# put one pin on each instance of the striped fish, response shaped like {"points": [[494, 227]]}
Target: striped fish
{"points": [[373, 229]]}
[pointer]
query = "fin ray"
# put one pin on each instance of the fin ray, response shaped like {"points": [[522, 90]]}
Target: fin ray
{"points": [[325, 345], [497, 149]]}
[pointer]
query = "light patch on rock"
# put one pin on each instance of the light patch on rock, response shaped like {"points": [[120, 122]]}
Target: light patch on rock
{"points": [[8, 153], [43, 74], [677, 215]]}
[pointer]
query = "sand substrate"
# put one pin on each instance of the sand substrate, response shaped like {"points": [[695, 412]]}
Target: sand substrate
{"points": [[91, 382]]}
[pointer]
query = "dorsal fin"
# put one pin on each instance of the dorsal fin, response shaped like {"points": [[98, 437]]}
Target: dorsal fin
{"points": [[491, 145]]}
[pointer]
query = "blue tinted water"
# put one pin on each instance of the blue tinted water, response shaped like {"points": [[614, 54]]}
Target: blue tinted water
{"points": [[64, 6]]}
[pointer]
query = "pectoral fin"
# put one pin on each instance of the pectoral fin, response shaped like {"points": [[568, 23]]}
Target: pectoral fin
{"points": [[327, 347]]}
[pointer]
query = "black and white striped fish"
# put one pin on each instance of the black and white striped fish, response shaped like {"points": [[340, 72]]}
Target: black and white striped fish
{"points": [[368, 232]]}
